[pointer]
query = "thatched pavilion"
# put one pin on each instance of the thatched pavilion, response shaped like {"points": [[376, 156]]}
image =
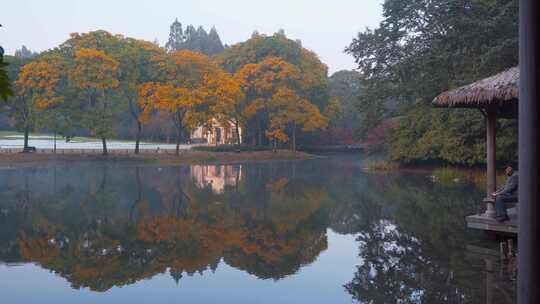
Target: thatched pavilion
{"points": [[495, 96]]}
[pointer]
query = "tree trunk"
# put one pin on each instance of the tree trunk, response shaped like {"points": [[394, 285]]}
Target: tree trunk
{"points": [[294, 138], [138, 138], [104, 142], [259, 135], [55, 141], [26, 133], [177, 142], [238, 139]]}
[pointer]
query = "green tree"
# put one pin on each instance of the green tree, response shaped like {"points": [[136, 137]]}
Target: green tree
{"points": [[95, 74], [137, 65], [346, 86], [5, 90], [422, 48], [137, 62]]}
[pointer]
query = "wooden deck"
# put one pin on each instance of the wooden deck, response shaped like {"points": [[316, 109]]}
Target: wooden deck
{"points": [[482, 222]]}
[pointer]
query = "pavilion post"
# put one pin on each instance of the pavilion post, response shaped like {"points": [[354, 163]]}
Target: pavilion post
{"points": [[529, 152], [491, 134]]}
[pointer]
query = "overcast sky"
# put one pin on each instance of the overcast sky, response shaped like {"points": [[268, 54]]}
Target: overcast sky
{"points": [[324, 26]]}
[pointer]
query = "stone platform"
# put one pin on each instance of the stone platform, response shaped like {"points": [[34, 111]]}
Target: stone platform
{"points": [[482, 222]]}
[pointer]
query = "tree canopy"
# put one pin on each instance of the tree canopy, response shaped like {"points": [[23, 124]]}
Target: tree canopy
{"points": [[110, 84], [5, 89], [265, 63], [422, 48]]}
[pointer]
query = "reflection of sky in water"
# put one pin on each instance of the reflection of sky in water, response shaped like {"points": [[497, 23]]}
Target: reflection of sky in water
{"points": [[318, 231], [226, 285]]}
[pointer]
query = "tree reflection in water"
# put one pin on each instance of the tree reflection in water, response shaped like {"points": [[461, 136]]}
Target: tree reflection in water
{"points": [[100, 230], [100, 227], [412, 250]]}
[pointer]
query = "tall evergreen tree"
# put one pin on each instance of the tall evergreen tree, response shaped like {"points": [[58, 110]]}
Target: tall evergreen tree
{"points": [[201, 41], [190, 42], [194, 39], [25, 53], [214, 45], [176, 37]]}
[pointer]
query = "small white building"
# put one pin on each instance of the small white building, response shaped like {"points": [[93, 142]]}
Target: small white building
{"points": [[216, 133]]}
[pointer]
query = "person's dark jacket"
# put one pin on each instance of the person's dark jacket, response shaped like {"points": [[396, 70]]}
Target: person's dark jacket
{"points": [[511, 186]]}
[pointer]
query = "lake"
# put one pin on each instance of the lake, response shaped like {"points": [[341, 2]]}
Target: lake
{"points": [[316, 231]]}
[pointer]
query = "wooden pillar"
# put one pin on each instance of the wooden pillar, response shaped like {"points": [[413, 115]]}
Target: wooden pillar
{"points": [[491, 146], [529, 152], [489, 280]]}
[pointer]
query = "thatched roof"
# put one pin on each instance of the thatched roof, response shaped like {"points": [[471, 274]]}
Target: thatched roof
{"points": [[501, 89]]}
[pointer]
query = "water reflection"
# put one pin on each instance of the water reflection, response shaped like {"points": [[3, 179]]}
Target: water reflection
{"points": [[100, 231], [412, 248], [101, 227], [216, 177]]}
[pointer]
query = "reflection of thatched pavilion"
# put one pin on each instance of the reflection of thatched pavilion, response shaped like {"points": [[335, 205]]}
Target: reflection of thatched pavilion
{"points": [[495, 96]]}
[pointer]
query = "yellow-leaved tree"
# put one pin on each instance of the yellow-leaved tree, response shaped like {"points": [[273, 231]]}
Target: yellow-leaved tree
{"points": [[291, 112], [275, 102], [260, 82], [38, 88], [191, 88], [223, 95], [95, 74]]}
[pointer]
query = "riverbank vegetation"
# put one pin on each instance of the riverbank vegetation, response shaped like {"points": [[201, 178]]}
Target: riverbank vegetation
{"points": [[420, 49]]}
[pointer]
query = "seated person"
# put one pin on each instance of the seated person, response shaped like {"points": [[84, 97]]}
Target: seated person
{"points": [[507, 194]]}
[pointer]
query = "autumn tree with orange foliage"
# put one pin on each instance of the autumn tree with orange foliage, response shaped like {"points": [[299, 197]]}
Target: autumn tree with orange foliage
{"points": [[260, 82], [312, 86], [191, 88], [37, 88], [292, 112], [275, 103], [95, 74], [224, 97]]}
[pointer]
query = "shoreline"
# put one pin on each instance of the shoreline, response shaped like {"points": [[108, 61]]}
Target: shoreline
{"points": [[17, 160]]}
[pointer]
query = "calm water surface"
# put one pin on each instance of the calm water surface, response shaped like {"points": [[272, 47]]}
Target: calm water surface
{"points": [[318, 231]]}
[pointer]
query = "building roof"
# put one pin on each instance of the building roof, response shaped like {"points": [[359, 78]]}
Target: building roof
{"points": [[501, 89]]}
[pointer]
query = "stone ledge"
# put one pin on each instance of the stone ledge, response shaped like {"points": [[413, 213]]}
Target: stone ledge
{"points": [[482, 222]]}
